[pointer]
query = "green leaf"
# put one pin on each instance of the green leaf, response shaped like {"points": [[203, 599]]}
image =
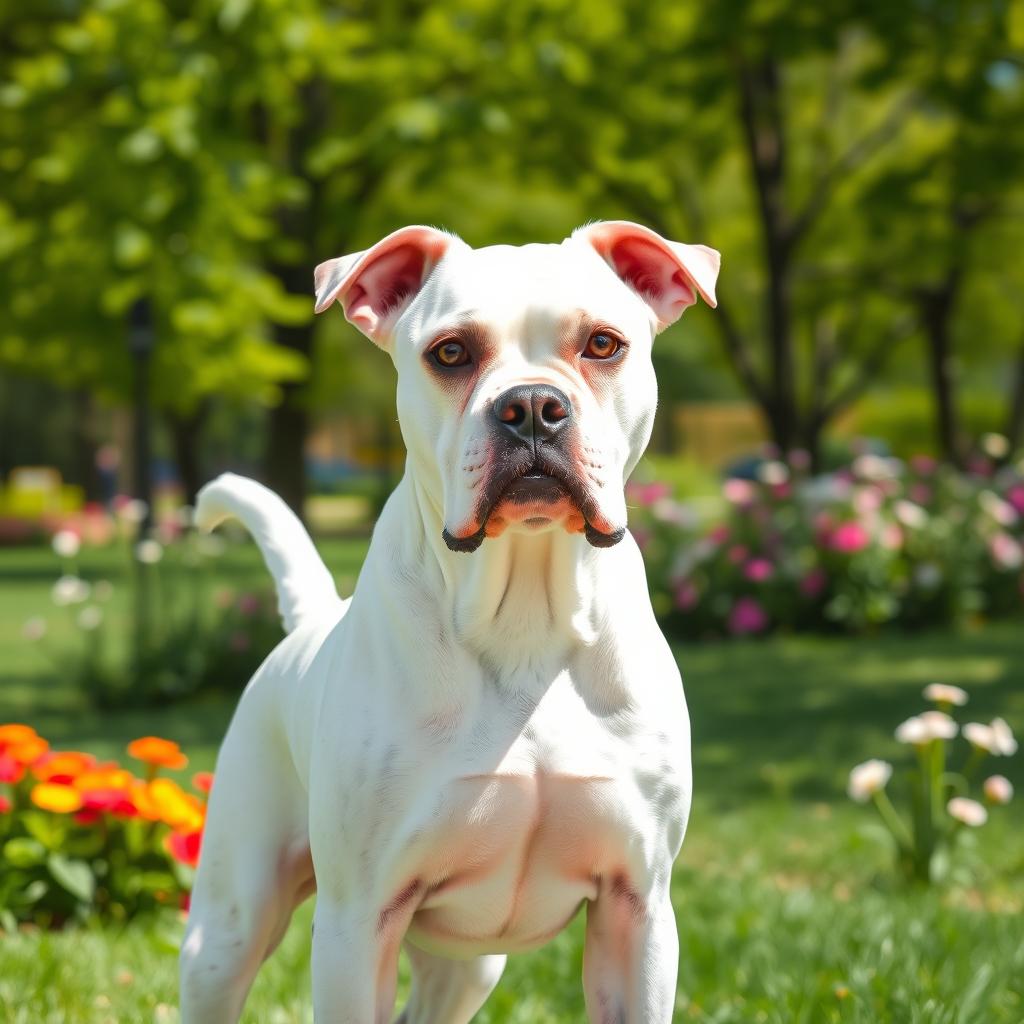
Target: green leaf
{"points": [[22, 852], [72, 875]]}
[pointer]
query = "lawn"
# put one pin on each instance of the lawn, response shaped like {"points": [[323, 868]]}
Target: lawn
{"points": [[786, 906]]}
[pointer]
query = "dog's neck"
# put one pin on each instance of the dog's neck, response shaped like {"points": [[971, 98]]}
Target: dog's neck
{"points": [[518, 596]]}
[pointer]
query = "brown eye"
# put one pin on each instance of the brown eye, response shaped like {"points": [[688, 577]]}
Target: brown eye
{"points": [[450, 354], [601, 346]]}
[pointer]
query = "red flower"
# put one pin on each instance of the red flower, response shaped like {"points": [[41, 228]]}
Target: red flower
{"points": [[203, 781], [184, 846], [5, 805], [10, 770]]}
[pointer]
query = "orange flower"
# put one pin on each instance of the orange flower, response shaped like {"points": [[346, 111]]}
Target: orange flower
{"points": [[27, 751], [14, 733], [105, 776], [153, 750], [203, 781], [51, 796], [63, 766]]}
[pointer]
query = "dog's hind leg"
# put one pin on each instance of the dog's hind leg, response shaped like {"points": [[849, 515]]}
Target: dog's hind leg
{"points": [[254, 869], [448, 991]]}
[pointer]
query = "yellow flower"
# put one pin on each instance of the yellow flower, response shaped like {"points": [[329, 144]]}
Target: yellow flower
{"points": [[51, 796]]}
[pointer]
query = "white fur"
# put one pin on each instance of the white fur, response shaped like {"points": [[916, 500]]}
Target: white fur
{"points": [[476, 744]]}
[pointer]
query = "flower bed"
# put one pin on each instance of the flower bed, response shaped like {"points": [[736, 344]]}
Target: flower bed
{"points": [[879, 541], [81, 838]]}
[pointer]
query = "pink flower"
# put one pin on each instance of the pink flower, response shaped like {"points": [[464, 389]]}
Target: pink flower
{"points": [[849, 538], [248, 605], [923, 465], [687, 596], [737, 553], [921, 493], [813, 583], [1015, 496], [782, 491], [747, 616], [719, 534], [867, 500], [1005, 551], [891, 537], [799, 459], [739, 492], [648, 494], [758, 570]]}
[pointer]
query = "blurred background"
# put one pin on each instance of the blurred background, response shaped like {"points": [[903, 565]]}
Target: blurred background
{"points": [[831, 508]]}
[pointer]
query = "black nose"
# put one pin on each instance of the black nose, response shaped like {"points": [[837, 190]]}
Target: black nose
{"points": [[533, 412]]}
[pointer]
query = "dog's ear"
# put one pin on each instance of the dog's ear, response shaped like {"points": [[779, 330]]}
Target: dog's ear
{"points": [[375, 286], [667, 275]]}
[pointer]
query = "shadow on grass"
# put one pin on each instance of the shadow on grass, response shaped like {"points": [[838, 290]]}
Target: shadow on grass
{"points": [[788, 717]]}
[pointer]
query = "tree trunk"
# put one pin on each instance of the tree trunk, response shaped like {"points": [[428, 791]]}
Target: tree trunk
{"points": [[762, 119], [186, 433]]}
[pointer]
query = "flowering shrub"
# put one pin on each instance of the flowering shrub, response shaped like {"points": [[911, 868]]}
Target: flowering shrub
{"points": [[81, 838], [879, 541], [183, 635], [940, 803]]}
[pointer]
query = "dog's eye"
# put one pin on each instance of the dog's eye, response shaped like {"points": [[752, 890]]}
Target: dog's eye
{"points": [[450, 354], [601, 346]]}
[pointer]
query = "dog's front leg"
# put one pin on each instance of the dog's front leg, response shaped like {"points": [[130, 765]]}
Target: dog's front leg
{"points": [[631, 957], [355, 964]]}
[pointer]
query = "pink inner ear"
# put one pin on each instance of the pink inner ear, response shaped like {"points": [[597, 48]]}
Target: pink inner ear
{"points": [[655, 275], [380, 288]]}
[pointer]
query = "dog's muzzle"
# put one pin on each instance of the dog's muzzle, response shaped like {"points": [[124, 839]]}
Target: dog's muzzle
{"points": [[532, 425]]}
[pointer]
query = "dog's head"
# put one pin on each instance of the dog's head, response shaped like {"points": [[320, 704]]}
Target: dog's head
{"points": [[526, 392]]}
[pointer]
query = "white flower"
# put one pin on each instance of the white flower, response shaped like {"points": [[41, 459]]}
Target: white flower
{"points": [[69, 590], [66, 543], [34, 629], [149, 551], [928, 726], [995, 446], [773, 473], [943, 693], [134, 511], [1005, 743], [970, 812], [996, 738], [998, 789], [868, 778], [1001, 511], [102, 590], [90, 617], [875, 467], [910, 514]]}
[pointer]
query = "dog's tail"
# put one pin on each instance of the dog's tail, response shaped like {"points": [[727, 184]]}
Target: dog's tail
{"points": [[305, 589]]}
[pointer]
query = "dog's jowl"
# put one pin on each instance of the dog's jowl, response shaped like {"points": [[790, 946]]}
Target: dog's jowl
{"points": [[491, 732]]}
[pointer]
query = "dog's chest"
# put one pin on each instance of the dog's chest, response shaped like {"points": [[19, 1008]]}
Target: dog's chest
{"points": [[529, 818]]}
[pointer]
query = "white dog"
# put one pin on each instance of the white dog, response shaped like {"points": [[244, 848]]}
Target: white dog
{"points": [[492, 730]]}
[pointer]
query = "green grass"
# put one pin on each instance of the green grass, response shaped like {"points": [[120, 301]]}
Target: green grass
{"points": [[787, 908]]}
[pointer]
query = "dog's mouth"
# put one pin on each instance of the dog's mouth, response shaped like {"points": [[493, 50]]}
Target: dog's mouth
{"points": [[535, 492]]}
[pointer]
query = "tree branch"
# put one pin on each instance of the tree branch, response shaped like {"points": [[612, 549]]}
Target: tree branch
{"points": [[853, 156]]}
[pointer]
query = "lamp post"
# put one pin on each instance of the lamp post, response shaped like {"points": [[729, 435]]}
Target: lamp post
{"points": [[141, 340]]}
